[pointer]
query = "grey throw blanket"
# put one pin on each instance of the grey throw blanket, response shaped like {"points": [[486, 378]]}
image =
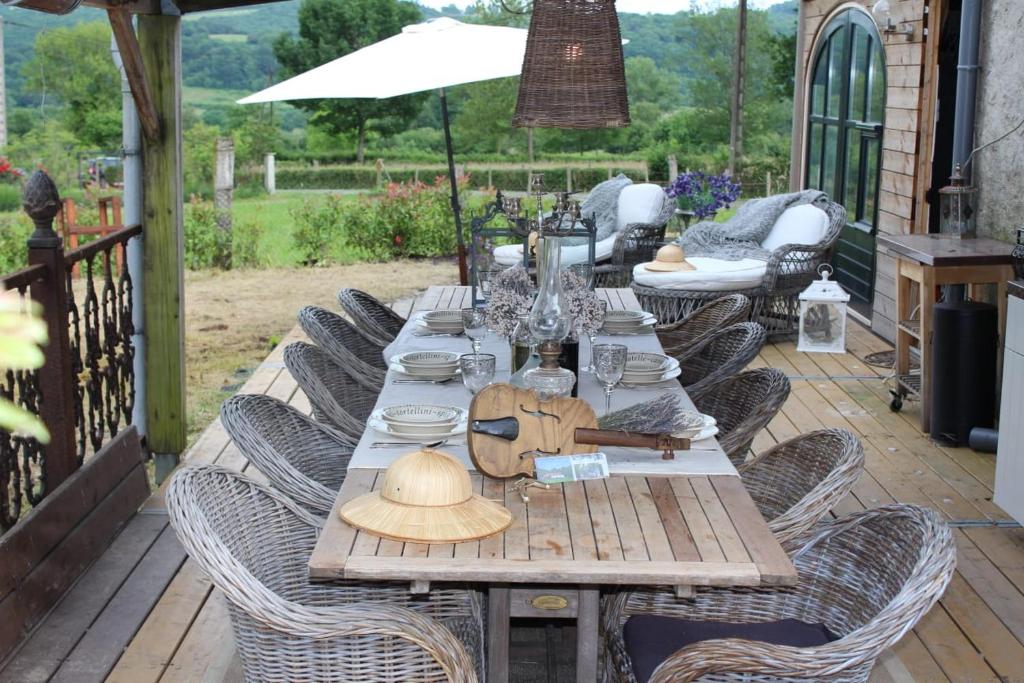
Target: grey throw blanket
{"points": [[603, 204], [740, 237]]}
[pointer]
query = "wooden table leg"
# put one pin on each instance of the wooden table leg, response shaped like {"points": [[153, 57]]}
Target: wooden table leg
{"points": [[588, 618], [497, 634]]}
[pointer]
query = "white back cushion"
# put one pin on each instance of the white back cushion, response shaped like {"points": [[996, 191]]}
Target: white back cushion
{"points": [[639, 203], [803, 224]]}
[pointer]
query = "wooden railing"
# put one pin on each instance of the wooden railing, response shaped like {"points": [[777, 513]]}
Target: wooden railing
{"points": [[84, 392]]}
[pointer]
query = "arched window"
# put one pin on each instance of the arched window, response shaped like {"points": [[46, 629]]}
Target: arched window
{"points": [[844, 134]]}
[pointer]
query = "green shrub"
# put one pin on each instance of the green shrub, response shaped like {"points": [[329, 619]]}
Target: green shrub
{"points": [[326, 178], [14, 232], [10, 197], [245, 244], [206, 244], [318, 225]]}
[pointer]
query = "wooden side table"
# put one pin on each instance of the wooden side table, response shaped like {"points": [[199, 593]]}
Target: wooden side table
{"points": [[930, 261]]}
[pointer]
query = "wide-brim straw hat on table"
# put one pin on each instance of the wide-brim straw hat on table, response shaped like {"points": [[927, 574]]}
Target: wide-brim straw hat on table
{"points": [[670, 258], [426, 497]]}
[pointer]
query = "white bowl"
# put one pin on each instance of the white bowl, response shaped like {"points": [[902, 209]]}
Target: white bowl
{"points": [[448, 320], [417, 416], [618, 317], [429, 359]]}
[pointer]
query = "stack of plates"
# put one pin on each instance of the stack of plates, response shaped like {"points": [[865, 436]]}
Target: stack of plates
{"points": [[707, 428], [628, 322], [419, 422], [441, 322], [649, 368], [427, 364]]}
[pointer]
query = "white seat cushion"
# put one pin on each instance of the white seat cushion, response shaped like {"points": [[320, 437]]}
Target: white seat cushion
{"points": [[639, 203], [710, 275], [802, 224], [509, 255]]}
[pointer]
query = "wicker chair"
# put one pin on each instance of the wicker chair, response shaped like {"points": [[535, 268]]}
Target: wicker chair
{"points": [[720, 355], [374, 320], [795, 483], [712, 316], [869, 577], [254, 544], [636, 243], [361, 358], [743, 405], [775, 305], [337, 398], [302, 458]]}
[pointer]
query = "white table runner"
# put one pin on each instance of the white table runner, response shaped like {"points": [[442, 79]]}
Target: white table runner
{"points": [[705, 457]]}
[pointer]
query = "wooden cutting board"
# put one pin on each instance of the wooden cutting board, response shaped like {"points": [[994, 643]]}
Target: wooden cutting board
{"points": [[497, 457]]}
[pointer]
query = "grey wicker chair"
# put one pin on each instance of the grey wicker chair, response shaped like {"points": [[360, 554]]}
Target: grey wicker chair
{"points": [[374, 320], [775, 305], [361, 358], [254, 544], [720, 355], [743, 405], [795, 483], [869, 577], [636, 243], [304, 459], [691, 330], [337, 398]]}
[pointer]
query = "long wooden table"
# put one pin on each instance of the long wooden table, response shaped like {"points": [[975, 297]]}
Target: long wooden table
{"points": [[567, 542]]}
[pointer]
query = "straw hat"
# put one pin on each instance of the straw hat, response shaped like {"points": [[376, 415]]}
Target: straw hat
{"points": [[426, 497], [670, 258]]}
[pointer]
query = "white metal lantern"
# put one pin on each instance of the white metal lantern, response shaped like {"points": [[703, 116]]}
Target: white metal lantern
{"points": [[823, 315]]}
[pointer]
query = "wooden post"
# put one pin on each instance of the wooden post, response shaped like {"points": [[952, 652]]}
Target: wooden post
{"points": [[568, 180], [768, 185], [57, 409], [224, 183], [739, 71], [270, 173], [673, 167], [379, 165], [163, 245]]}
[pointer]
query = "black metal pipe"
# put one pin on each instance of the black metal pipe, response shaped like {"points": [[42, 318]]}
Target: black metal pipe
{"points": [[966, 83], [983, 439], [456, 208]]}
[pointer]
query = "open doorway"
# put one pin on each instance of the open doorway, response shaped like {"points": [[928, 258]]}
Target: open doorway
{"points": [[942, 153]]}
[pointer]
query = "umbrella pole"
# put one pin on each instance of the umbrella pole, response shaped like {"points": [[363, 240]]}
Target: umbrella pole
{"points": [[456, 209]]}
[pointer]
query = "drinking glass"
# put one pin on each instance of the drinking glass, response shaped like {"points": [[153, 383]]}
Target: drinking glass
{"points": [[598, 323], [477, 370], [484, 279], [609, 363], [585, 271], [474, 321]]}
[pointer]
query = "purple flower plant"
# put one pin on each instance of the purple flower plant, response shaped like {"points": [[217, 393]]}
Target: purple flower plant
{"points": [[703, 193]]}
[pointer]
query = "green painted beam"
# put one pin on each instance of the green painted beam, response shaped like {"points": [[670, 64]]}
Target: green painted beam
{"points": [[163, 250]]}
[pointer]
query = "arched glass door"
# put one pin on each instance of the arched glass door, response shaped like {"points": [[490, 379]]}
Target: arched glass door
{"points": [[844, 150]]}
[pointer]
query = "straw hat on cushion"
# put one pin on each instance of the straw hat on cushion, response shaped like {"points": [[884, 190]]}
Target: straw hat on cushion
{"points": [[426, 497], [670, 258]]}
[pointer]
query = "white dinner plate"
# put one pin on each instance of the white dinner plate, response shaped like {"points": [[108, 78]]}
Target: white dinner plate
{"points": [[671, 374], [400, 369], [381, 427]]}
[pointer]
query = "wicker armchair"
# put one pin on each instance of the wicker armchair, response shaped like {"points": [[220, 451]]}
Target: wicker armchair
{"points": [[869, 577], [720, 355], [254, 544], [636, 243], [361, 358], [691, 330], [743, 405], [374, 320], [796, 483], [337, 399], [775, 305], [302, 458]]}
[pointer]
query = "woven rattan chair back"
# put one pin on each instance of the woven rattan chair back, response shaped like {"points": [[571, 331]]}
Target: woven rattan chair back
{"points": [[743, 405], [337, 398], [721, 355], [360, 357], [255, 543], [636, 243], [374, 319], [797, 482], [869, 577], [304, 459], [715, 315]]}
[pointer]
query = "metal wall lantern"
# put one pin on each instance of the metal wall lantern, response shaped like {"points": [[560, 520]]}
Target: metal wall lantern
{"points": [[957, 207], [823, 315], [573, 74], [882, 14]]}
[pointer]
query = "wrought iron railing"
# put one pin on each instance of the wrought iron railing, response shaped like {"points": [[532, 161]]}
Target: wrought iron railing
{"points": [[85, 391]]}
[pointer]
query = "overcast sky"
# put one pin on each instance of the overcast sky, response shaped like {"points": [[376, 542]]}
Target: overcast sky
{"points": [[638, 6]]}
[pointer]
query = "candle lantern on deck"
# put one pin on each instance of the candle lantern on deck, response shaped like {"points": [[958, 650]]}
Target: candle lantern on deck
{"points": [[823, 315], [957, 207]]}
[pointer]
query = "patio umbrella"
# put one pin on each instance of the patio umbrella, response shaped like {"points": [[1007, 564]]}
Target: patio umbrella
{"points": [[429, 56]]}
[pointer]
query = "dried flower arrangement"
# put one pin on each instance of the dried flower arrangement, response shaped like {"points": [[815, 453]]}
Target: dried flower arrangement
{"points": [[512, 296]]}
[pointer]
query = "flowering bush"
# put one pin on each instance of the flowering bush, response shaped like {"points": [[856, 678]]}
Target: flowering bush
{"points": [[8, 174], [702, 193]]}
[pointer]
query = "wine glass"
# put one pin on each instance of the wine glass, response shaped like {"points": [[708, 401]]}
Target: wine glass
{"points": [[609, 363], [477, 370], [596, 324], [474, 322], [585, 271]]}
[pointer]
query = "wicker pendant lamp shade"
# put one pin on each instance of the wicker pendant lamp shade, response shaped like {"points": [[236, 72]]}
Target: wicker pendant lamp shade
{"points": [[573, 75]]}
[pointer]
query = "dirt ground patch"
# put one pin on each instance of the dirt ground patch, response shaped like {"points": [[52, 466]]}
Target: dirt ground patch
{"points": [[234, 318]]}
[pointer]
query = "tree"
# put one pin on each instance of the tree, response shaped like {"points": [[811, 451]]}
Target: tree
{"points": [[329, 29], [484, 122], [74, 64], [647, 82]]}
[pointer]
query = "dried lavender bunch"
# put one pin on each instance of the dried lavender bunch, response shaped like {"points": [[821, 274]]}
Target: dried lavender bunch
{"points": [[661, 415], [583, 305], [515, 279]]}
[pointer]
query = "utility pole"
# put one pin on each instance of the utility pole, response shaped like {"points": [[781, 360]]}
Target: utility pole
{"points": [[738, 77], [3, 90]]}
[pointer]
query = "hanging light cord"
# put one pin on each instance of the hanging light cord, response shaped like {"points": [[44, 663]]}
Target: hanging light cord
{"points": [[510, 10], [1002, 137]]}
